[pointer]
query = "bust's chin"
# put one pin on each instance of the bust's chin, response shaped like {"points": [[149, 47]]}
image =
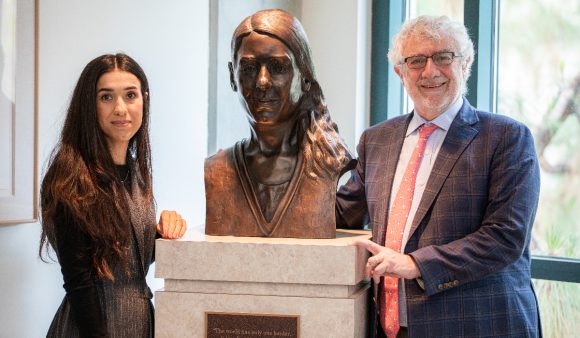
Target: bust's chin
{"points": [[264, 117]]}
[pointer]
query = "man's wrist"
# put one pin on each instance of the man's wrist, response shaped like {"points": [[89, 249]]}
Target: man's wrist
{"points": [[414, 271]]}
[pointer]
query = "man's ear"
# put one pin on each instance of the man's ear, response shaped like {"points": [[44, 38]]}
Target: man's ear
{"points": [[232, 78], [464, 65], [398, 71]]}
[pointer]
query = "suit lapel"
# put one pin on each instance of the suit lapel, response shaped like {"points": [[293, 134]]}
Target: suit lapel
{"points": [[460, 134], [387, 160]]}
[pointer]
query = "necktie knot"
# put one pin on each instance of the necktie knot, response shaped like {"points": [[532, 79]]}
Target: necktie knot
{"points": [[426, 130]]}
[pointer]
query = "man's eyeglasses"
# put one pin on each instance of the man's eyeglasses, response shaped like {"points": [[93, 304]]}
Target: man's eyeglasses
{"points": [[439, 59]]}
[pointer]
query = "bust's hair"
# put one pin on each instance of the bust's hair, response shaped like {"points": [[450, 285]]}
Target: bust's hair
{"points": [[324, 150], [435, 28], [81, 186]]}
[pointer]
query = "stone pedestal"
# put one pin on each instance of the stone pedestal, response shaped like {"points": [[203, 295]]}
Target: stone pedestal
{"points": [[319, 280]]}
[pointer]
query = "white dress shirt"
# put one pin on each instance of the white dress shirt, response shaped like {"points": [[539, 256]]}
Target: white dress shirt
{"points": [[443, 122]]}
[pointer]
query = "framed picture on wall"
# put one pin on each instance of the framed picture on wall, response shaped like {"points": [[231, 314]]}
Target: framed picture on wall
{"points": [[18, 111]]}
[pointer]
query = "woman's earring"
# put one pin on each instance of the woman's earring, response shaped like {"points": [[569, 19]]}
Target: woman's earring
{"points": [[306, 85]]}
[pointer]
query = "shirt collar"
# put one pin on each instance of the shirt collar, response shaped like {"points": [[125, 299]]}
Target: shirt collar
{"points": [[442, 121]]}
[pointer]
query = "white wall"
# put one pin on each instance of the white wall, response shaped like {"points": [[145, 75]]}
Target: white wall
{"points": [[170, 41]]}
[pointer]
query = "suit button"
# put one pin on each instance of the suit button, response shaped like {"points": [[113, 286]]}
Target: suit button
{"points": [[440, 287]]}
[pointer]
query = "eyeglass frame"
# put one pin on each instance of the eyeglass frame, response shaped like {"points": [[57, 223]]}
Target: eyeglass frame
{"points": [[453, 56]]}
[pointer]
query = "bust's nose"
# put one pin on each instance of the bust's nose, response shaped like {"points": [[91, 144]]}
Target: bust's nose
{"points": [[264, 81]]}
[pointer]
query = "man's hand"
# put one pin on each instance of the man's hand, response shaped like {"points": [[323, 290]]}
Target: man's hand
{"points": [[171, 225], [387, 262]]}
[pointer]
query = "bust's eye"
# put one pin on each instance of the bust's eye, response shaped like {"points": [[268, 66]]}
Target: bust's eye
{"points": [[248, 67], [277, 67]]}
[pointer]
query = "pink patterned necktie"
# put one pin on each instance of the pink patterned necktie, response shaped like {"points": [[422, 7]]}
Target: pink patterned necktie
{"points": [[389, 306]]}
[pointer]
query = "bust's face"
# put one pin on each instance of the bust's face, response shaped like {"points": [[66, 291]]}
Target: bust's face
{"points": [[268, 79]]}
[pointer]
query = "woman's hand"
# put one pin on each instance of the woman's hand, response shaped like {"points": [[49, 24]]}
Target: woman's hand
{"points": [[171, 225]]}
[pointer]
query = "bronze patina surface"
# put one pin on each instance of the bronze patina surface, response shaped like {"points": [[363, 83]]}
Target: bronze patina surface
{"points": [[281, 181]]}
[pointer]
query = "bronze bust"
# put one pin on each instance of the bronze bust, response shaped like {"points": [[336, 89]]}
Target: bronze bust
{"points": [[281, 182]]}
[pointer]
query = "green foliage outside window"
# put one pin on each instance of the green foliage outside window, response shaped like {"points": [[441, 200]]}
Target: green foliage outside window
{"points": [[539, 84]]}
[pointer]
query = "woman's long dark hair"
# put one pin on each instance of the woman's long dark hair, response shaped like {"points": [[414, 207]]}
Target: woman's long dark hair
{"points": [[323, 148], [81, 184]]}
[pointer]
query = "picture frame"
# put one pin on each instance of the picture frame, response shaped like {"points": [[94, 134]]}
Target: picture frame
{"points": [[18, 111]]}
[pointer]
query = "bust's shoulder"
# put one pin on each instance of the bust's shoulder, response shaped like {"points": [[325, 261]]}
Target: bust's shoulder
{"points": [[222, 157]]}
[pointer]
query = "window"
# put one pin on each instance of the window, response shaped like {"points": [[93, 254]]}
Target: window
{"points": [[539, 84], [451, 8]]}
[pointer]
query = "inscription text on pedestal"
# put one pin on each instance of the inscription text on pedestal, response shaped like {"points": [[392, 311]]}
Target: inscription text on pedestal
{"points": [[250, 325]]}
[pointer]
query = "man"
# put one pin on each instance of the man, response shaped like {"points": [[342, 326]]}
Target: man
{"points": [[451, 193]]}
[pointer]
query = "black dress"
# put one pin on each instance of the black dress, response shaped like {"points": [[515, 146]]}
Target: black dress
{"points": [[101, 308]]}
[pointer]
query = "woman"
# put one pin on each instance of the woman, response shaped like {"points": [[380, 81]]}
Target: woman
{"points": [[97, 205], [282, 181]]}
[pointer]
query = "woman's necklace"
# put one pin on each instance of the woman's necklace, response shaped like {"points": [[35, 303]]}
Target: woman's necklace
{"points": [[126, 177], [119, 167]]}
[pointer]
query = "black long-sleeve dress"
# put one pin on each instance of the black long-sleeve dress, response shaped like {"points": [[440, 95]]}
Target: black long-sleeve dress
{"points": [[101, 308]]}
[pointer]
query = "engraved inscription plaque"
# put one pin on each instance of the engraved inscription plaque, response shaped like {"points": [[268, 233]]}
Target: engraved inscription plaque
{"points": [[249, 325]]}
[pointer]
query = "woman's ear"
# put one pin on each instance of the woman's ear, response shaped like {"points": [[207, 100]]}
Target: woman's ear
{"points": [[232, 78], [306, 85]]}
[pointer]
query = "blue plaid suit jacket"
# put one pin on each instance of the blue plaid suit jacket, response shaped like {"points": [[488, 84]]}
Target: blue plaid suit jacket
{"points": [[470, 236]]}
